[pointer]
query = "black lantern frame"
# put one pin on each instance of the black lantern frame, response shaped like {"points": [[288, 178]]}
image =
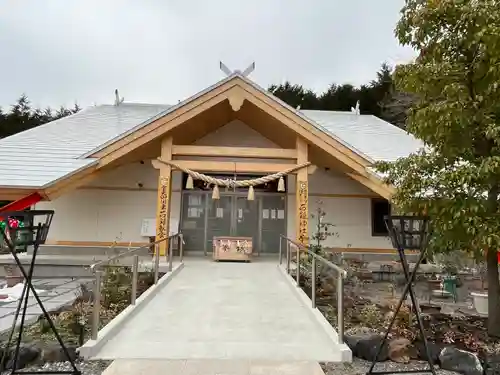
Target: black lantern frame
{"points": [[407, 233], [30, 228]]}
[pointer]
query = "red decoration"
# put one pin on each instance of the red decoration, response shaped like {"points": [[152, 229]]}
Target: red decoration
{"points": [[21, 204]]}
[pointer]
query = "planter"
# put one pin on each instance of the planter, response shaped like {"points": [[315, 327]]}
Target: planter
{"points": [[480, 302]]}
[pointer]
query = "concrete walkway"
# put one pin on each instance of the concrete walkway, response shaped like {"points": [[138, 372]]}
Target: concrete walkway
{"points": [[233, 311]]}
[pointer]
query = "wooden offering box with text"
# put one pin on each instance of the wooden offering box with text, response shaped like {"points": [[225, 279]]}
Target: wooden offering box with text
{"points": [[233, 248]]}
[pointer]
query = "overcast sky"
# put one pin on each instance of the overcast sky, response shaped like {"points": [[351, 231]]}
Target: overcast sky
{"points": [[161, 51]]}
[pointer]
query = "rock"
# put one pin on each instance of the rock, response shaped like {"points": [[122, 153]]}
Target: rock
{"points": [[434, 351], [367, 347], [457, 360], [492, 364], [399, 350], [352, 342], [53, 352], [27, 354]]}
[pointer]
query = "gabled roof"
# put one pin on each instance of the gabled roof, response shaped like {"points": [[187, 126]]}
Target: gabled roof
{"points": [[41, 156], [369, 135]]}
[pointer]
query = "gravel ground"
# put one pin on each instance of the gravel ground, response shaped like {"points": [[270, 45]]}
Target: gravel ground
{"points": [[360, 367], [86, 367], [357, 367]]}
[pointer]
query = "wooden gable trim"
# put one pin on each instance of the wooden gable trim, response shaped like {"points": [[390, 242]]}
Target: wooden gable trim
{"points": [[303, 128], [235, 91], [164, 124], [70, 183], [374, 184], [239, 152], [14, 194]]}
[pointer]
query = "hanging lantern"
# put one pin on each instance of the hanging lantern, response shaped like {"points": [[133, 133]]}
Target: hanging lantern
{"points": [[215, 193], [189, 182], [251, 195], [281, 184]]}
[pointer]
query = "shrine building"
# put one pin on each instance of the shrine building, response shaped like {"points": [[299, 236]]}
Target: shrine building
{"points": [[124, 173]]}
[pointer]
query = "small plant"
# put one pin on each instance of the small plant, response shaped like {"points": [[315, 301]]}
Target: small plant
{"points": [[451, 263], [323, 230], [481, 269], [370, 316]]}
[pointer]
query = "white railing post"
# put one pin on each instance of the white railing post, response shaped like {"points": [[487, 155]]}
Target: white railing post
{"points": [[181, 247], [297, 270], [288, 256], [96, 310], [313, 282], [135, 278], [171, 255], [280, 251], [157, 262], [340, 306]]}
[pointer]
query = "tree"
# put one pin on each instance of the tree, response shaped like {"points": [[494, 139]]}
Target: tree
{"points": [[396, 106], [372, 96], [456, 84], [23, 117], [295, 95]]}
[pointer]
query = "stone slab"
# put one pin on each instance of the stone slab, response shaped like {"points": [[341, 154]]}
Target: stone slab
{"points": [[211, 367]]}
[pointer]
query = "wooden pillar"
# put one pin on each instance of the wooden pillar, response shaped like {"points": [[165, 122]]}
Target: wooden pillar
{"points": [[302, 195], [164, 194]]}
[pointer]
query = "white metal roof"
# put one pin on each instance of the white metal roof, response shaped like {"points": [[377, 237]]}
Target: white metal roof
{"points": [[42, 155], [371, 136]]}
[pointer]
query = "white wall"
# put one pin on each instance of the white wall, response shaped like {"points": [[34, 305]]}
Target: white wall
{"points": [[113, 206], [350, 215]]}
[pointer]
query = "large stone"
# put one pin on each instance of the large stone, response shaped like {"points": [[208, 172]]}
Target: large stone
{"points": [[434, 351], [27, 354], [356, 334], [492, 364], [367, 347], [53, 352], [400, 350], [457, 360]]}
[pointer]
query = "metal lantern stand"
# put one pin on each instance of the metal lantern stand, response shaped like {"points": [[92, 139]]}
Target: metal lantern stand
{"points": [[32, 232], [407, 233]]}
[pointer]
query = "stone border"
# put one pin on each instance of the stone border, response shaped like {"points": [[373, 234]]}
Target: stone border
{"points": [[91, 347], [344, 351]]}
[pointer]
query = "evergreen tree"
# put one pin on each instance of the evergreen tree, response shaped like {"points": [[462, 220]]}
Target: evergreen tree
{"points": [[22, 116]]}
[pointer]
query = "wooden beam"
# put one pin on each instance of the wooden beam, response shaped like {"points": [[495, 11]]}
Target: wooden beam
{"points": [[372, 183], [13, 194], [164, 124], [66, 185], [302, 195], [240, 152], [230, 167], [163, 201]]}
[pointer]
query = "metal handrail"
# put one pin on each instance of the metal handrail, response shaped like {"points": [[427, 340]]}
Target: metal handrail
{"points": [[98, 273], [135, 250], [341, 275]]}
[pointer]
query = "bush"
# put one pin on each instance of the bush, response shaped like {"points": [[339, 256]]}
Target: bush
{"points": [[371, 316]]}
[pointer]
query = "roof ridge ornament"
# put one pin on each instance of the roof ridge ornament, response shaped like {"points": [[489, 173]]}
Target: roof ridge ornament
{"points": [[356, 110], [118, 100], [244, 73]]}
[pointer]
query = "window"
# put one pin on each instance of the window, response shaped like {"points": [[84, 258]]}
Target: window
{"points": [[380, 208]]}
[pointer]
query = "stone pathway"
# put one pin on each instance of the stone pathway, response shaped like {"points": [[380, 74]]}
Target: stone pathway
{"points": [[60, 292], [211, 367], [212, 311]]}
